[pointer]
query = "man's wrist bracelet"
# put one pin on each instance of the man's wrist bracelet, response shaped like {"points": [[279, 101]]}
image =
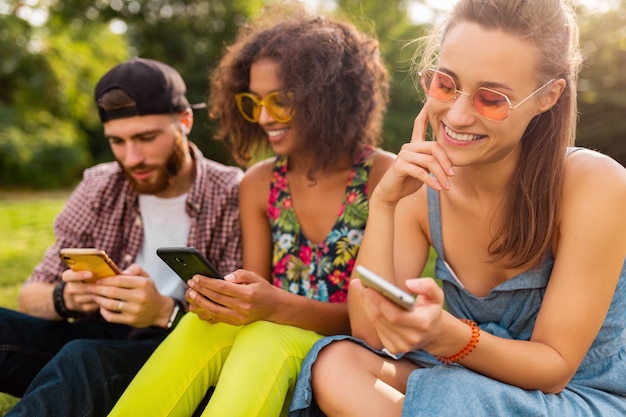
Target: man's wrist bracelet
{"points": [[177, 313], [59, 303]]}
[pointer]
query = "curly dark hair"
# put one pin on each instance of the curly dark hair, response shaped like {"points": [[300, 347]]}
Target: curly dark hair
{"points": [[338, 81]]}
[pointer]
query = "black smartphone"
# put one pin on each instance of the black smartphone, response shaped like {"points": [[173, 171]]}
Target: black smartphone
{"points": [[390, 291], [187, 262]]}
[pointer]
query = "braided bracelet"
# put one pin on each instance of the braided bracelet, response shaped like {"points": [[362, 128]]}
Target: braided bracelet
{"points": [[59, 303], [467, 349]]}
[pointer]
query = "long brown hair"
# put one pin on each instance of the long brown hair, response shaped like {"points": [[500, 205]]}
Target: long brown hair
{"points": [[334, 73], [531, 206]]}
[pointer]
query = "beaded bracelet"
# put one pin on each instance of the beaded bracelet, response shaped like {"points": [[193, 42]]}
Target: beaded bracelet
{"points": [[467, 349]]}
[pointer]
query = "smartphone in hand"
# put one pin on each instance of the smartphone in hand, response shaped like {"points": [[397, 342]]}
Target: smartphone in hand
{"points": [[390, 291], [90, 259], [187, 262]]}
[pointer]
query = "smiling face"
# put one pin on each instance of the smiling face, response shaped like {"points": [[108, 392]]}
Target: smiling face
{"points": [[263, 81], [475, 57]]}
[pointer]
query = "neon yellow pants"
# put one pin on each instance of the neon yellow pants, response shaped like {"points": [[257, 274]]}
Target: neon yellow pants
{"points": [[253, 368]]}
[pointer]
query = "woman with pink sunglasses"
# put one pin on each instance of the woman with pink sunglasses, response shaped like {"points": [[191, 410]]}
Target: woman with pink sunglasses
{"points": [[530, 236]]}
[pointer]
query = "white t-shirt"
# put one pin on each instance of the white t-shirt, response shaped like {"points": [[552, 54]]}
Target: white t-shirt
{"points": [[165, 223]]}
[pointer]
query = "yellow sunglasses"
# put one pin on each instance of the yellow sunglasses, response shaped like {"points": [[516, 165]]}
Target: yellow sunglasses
{"points": [[250, 106]]}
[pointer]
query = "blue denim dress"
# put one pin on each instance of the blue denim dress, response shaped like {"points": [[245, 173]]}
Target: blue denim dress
{"points": [[597, 389]]}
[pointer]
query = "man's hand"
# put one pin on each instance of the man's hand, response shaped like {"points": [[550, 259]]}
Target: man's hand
{"points": [[76, 296], [131, 298]]}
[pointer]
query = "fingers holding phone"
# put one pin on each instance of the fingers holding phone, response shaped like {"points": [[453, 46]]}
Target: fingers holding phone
{"points": [[87, 265], [408, 328], [241, 298], [398, 296], [187, 263], [201, 295], [132, 298], [76, 294], [196, 306]]}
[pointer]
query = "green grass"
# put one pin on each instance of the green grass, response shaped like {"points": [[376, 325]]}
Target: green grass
{"points": [[25, 233]]}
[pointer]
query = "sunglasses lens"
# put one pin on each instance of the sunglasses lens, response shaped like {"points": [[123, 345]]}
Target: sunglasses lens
{"points": [[249, 107], [491, 104], [277, 109], [438, 85]]}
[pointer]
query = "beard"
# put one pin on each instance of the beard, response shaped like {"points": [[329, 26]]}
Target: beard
{"points": [[165, 173]]}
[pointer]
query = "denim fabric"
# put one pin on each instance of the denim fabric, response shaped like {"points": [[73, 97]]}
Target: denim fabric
{"points": [[63, 369], [597, 389]]}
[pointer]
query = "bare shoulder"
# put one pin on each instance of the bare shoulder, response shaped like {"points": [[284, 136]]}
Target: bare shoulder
{"points": [[255, 185], [594, 190], [257, 174], [382, 161], [594, 174]]}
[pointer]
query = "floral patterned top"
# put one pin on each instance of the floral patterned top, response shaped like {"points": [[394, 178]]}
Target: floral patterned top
{"points": [[318, 271]]}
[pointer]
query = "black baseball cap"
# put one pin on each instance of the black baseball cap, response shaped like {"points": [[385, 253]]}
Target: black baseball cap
{"points": [[155, 87]]}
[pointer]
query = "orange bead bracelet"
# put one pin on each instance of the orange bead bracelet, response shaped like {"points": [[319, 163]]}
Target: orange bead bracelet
{"points": [[467, 349]]}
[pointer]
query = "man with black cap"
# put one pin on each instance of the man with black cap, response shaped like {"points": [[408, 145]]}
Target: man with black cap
{"points": [[74, 346]]}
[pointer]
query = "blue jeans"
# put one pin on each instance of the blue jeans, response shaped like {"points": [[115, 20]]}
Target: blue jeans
{"points": [[63, 369]]}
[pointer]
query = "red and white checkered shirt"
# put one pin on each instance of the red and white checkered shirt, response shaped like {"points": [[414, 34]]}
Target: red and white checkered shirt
{"points": [[103, 212]]}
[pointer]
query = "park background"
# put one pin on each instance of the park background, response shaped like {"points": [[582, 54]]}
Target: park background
{"points": [[52, 53]]}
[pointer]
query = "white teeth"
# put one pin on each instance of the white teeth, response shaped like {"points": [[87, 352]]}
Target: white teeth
{"points": [[460, 136], [274, 133]]}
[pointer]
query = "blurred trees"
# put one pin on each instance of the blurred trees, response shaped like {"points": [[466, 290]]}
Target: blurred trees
{"points": [[189, 35], [602, 85], [46, 84], [49, 129]]}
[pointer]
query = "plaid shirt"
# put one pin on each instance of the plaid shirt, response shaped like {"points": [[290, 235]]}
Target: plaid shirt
{"points": [[103, 212]]}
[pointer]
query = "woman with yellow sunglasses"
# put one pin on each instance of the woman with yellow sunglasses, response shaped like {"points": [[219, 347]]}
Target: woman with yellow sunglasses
{"points": [[311, 91]]}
